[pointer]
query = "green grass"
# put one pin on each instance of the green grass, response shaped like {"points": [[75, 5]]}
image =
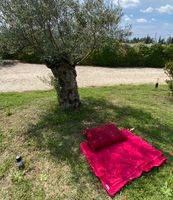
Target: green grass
{"points": [[48, 140]]}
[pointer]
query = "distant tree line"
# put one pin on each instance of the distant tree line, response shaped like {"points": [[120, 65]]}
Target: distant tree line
{"points": [[149, 40]]}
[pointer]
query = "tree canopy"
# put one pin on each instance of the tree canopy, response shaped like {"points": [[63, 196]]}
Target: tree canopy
{"points": [[58, 27]]}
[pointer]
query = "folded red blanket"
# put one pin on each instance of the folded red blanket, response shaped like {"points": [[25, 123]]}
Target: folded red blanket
{"points": [[120, 163]]}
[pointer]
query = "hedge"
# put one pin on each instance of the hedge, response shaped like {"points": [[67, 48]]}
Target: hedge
{"points": [[117, 55]]}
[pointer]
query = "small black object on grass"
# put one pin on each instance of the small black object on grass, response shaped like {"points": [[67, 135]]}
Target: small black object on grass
{"points": [[19, 162], [157, 84]]}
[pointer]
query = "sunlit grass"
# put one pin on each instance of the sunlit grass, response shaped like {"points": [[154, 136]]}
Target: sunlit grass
{"points": [[48, 139]]}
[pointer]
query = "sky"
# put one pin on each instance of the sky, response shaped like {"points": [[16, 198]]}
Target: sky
{"points": [[148, 17]]}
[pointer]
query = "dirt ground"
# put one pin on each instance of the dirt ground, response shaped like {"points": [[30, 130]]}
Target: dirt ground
{"points": [[26, 77]]}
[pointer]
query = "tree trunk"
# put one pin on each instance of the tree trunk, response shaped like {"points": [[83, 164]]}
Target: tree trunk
{"points": [[66, 85]]}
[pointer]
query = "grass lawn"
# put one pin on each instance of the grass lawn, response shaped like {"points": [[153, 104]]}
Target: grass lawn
{"points": [[48, 140]]}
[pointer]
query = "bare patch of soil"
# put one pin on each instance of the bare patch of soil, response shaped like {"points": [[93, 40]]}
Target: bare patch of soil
{"points": [[26, 77]]}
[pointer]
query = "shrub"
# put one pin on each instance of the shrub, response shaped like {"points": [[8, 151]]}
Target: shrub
{"points": [[125, 55], [130, 57], [104, 57], [25, 55], [169, 72], [168, 52], [155, 56], [29, 58], [107, 56], [143, 54]]}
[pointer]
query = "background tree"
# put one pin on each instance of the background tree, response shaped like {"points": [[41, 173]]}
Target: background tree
{"points": [[169, 40], [135, 40], [161, 40], [148, 40], [62, 33]]}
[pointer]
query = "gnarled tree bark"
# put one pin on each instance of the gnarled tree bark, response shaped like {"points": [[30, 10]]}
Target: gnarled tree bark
{"points": [[65, 84]]}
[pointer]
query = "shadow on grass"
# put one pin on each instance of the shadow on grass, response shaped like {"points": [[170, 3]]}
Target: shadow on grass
{"points": [[61, 132]]}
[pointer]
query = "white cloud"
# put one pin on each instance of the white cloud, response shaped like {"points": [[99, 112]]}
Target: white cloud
{"points": [[148, 10], [165, 9], [127, 3], [141, 20], [153, 20], [127, 18]]}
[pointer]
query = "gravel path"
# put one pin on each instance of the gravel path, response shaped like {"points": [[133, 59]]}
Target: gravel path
{"points": [[25, 77]]}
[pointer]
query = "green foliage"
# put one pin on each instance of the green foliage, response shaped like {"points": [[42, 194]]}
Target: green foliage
{"points": [[108, 55], [146, 40], [169, 71], [170, 40], [143, 54], [104, 57], [58, 29], [129, 55], [168, 52], [27, 55], [155, 56], [29, 58], [116, 55], [130, 58]]}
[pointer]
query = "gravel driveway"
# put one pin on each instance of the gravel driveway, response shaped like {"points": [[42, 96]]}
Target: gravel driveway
{"points": [[24, 77]]}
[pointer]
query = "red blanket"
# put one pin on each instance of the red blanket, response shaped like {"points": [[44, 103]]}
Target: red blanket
{"points": [[120, 163]]}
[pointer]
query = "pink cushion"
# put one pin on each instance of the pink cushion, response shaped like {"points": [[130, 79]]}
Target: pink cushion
{"points": [[103, 136]]}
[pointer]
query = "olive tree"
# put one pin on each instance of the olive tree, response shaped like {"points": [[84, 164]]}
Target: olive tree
{"points": [[62, 33]]}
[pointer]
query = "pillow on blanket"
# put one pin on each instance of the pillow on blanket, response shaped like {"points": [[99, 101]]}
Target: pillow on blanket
{"points": [[103, 136]]}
